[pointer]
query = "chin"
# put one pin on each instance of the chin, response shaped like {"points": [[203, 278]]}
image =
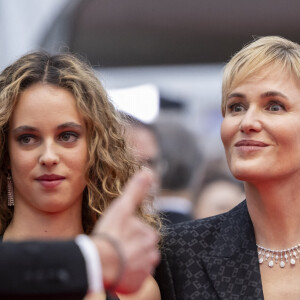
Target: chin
{"points": [[53, 207], [250, 177], [247, 174], [52, 210]]}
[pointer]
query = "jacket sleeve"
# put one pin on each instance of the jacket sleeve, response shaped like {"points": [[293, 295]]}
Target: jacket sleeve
{"points": [[164, 279], [42, 270]]}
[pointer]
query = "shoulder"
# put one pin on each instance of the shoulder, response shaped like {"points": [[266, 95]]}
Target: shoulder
{"points": [[192, 232], [201, 233], [189, 248]]}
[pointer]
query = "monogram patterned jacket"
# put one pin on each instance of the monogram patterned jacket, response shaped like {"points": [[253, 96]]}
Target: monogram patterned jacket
{"points": [[213, 258]]}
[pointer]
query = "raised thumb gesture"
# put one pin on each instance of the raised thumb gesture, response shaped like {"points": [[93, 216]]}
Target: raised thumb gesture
{"points": [[128, 247]]}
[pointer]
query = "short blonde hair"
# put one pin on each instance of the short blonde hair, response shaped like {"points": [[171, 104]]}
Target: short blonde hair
{"points": [[270, 52], [110, 164]]}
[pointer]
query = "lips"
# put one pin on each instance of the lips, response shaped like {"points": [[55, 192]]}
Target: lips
{"points": [[50, 177], [50, 180], [250, 143]]}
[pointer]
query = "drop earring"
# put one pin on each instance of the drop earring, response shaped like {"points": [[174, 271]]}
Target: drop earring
{"points": [[10, 191]]}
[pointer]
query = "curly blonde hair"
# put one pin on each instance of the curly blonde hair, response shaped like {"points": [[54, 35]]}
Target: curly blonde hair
{"points": [[110, 164]]}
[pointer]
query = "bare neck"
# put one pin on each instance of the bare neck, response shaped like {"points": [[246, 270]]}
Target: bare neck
{"points": [[274, 208], [28, 224]]}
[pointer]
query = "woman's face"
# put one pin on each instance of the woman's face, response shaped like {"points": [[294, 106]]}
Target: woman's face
{"points": [[48, 150], [261, 127]]}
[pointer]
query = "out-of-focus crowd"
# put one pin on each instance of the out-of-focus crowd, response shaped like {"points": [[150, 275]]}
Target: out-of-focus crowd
{"points": [[189, 185]]}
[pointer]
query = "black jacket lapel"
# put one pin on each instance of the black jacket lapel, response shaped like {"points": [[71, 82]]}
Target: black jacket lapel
{"points": [[232, 265]]}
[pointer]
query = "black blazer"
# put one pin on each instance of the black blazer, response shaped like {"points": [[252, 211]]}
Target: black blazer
{"points": [[42, 271], [213, 258], [170, 217], [37, 270]]}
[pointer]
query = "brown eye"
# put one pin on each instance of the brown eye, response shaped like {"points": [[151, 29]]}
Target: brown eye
{"points": [[26, 139], [68, 137]]}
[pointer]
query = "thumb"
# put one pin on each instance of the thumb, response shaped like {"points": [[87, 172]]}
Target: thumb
{"points": [[136, 190]]}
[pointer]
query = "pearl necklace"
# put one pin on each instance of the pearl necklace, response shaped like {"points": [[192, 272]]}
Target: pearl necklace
{"points": [[285, 256]]}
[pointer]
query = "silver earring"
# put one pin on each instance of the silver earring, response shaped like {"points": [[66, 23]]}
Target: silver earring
{"points": [[10, 191]]}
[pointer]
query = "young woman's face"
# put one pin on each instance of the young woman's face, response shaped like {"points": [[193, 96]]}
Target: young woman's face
{"points": [[48, 150], [261, 127]]}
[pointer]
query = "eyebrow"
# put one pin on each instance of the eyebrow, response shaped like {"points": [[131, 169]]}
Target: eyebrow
{"points": [[236, 95], [70, 124], [60, 127], [273, 93], [263, 95], [24, 128]]}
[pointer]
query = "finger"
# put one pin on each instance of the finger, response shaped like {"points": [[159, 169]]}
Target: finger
{"points": [[136, 190]]}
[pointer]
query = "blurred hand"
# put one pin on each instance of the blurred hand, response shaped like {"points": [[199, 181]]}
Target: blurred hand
{"points": [[136, 239]]}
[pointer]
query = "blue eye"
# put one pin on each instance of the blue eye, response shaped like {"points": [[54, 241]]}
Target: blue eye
{"points": [[236, 107], [276, 107], [68, 137]]}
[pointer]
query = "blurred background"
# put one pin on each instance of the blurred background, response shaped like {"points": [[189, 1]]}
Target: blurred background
{"points": [[169, 54]]}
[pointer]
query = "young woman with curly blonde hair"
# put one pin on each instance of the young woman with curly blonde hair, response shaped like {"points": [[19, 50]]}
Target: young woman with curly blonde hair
{"points": [[63, 159]]}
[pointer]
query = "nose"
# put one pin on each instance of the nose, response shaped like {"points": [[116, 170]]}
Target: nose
{"points": [[250, 122], [49, 156]]}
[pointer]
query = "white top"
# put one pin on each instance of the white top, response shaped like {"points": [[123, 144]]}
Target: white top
{"points": [[92, 262]]}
